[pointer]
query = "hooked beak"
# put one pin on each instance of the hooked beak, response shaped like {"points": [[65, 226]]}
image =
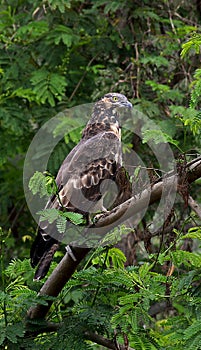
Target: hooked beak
{"points": [[129, 105]]}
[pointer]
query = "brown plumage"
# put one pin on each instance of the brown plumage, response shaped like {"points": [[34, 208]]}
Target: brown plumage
{"points": [[81, 177]]}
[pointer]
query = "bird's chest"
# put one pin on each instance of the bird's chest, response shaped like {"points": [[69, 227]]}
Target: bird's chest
{"points": [[115, 128]]}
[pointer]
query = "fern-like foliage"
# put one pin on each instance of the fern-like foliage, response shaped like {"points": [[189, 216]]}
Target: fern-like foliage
{"points": [[192, 44], [61, 218], [192, 336], [196, 85], [48, 86], [37, 184], [45, 185]]}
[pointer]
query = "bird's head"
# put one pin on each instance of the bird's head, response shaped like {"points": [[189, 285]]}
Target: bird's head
{"points": [[105, 116], [115, 99]]}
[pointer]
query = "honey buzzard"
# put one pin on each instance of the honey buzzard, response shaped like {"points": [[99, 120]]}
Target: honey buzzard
{"points": [[81, 177]]}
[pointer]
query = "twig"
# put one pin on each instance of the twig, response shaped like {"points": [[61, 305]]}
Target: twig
{"points": [[17, 215], [186, 20], [82, 78], [137, 95], [135, 45]]}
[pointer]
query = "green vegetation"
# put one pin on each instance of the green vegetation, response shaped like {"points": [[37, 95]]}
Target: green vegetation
{"points": [[56, 54]]}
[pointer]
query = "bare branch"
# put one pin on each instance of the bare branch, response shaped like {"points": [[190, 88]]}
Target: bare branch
{"points": [[82, 77]]}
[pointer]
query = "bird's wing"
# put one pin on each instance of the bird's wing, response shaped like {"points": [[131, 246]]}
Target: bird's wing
{"points": [[82, 176], [87, 165], [79, 182]]}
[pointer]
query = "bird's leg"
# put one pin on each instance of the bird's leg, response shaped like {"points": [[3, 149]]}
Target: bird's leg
{"points": [[98, 210], [70, 252]]}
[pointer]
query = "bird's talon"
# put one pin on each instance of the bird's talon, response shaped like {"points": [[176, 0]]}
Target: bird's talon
{"points": [[100, 216]]}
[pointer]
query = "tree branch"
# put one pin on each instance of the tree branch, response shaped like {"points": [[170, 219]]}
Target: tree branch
{"points": [[94, 337], [134, 205], [98, 339], [57, 280], [82, 78]]}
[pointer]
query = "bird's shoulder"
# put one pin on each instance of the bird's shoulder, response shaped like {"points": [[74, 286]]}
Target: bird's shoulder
{"points": [[90, 154]]}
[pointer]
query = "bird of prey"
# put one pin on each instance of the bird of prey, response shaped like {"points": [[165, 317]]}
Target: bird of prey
{"points": [[81, 179]]}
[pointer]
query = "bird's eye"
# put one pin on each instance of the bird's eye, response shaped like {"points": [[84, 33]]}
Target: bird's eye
{"points": [[115, 98]]}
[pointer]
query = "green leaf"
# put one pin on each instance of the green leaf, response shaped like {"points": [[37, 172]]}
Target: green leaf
{"points": [[14, 331], [158, 61], [62, 5], [62, 34], [48, 86], [113, 256], [145, 12], [158, 87], [144, 270], [193, 331], [158, 136], [25, 93], [32, 31], [75, 218], [61, 223], [2, 334], [50, 184], [186, 258], [193, 44], [129, 299], [50, 215], [37, 184], [193, 233]]}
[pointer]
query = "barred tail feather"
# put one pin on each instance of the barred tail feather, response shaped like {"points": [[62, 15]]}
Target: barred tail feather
{"points": [[42, 252]]}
